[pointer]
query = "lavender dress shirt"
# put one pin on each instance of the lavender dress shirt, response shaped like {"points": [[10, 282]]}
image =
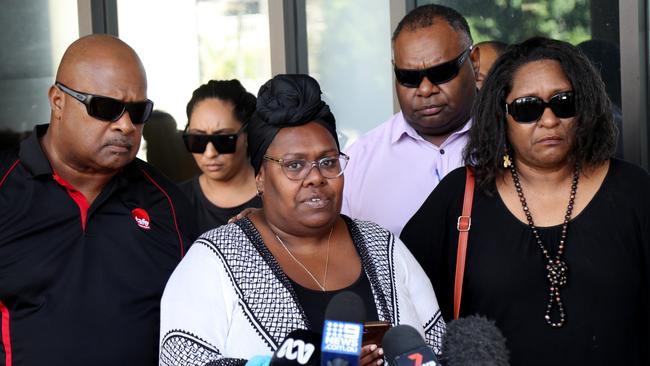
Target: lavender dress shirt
{"points": [[392, 170]]}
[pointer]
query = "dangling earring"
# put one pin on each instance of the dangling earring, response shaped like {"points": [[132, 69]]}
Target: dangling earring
{"points": [[506, 159], [259, 193]]}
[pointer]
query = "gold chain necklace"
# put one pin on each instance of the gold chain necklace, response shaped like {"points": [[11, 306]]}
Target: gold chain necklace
{"points": [[327, 259]]}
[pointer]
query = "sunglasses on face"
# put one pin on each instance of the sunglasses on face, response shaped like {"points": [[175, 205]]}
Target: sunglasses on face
{"points": [[530, 109], [109, 109], [438, 74], [223, 143]]}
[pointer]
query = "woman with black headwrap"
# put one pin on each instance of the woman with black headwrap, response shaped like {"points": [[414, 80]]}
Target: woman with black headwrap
{"points": [[244, 286]]}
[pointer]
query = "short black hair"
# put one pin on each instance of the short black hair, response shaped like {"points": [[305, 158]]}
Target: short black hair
{"points": [[595, 132], [228, 91], [424, 16]]}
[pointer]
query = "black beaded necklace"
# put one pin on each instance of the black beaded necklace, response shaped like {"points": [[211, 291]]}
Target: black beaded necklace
{"points": [[556, 268]]}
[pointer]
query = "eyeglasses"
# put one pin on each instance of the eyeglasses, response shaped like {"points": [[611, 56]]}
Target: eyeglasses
{"points": [[298, 169], [438, 74], [530, 109], [223, 143], [109, 109]]}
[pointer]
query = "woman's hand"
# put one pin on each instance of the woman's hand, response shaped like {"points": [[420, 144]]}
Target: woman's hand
{"points": [[371, 355], [244, 213]]}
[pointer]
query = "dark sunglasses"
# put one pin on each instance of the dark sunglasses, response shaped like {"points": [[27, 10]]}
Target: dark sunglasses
{"points": [[109, 109], [224, 143], [438, 74], [530, 109]]}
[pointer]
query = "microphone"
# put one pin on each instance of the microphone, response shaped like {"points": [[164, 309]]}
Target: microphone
{"points": [[343, 330], [300, 347], [404, 346], [474, 340]]}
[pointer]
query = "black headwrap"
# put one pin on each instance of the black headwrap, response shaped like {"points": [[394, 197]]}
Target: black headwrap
{"points": [[285, 101]]}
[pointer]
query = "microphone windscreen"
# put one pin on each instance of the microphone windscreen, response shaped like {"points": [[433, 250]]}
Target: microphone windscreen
{"points": [[404, 346], [346, 307], [300, 347], [474, 340]]}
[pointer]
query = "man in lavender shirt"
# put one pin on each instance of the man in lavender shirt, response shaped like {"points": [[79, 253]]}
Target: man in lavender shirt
{"points": [[394, 167]]}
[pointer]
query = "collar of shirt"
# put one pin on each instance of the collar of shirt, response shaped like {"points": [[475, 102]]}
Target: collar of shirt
{"points": [[402, 130], [31, 153], [33, 158]]}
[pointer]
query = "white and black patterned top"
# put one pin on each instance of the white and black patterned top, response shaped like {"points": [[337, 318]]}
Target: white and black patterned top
{"points": [[229, 300]]}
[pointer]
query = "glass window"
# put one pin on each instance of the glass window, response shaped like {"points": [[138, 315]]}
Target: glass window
{"points": [[186, 43], [349, 54], [35, 35]]}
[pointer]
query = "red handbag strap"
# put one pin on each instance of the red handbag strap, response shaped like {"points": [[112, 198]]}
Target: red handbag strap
{"points": [[463, 225]]}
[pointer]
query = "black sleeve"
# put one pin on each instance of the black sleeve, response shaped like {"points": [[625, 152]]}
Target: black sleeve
{"points": [[432, 237]]}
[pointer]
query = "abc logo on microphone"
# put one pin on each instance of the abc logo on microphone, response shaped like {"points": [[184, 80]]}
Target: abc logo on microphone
{"points": [[296, 349]]}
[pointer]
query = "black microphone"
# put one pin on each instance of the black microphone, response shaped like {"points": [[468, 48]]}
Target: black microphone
{"points": [[474, 340], [300, 347], [343, 330], [404, 346]]}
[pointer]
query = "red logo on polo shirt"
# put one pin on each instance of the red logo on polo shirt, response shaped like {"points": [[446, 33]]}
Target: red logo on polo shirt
{"points": [[141, 218]]}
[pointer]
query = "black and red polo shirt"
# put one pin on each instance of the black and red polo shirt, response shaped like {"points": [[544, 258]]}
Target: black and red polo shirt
{"points": [[81, 284]]}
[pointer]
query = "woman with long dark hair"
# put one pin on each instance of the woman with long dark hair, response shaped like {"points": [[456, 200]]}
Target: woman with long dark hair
{"points": [[559, 243]]}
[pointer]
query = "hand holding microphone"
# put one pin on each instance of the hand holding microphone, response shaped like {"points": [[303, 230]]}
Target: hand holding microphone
{"points": [[371, 354]]}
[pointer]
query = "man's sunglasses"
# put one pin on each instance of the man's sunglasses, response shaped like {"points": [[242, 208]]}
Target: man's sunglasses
{"points": [[530, 109], [109, 109], [438, 74], [224, 143]]}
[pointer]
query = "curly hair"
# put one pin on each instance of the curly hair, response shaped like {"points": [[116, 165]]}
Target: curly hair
{"points": [[424, 16], [595, 132], [228, 91]]}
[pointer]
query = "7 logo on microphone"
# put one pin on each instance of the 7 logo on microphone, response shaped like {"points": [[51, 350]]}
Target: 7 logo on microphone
{"points": [[421, 356], [342, 337]]}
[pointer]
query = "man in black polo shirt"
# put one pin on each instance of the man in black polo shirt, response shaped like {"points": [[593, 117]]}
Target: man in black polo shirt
{"points": [[88, 234]]}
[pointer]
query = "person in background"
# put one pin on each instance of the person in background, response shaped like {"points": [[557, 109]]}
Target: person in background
{"points": [[216, 136], [88, 233], [244, 286], [489, 51], [165, 149], [396, 165], [559, 244]]}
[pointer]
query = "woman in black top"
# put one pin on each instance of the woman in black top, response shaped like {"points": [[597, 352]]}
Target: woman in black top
{"points": [[559, 245], [244, 286], [216, 137]]}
